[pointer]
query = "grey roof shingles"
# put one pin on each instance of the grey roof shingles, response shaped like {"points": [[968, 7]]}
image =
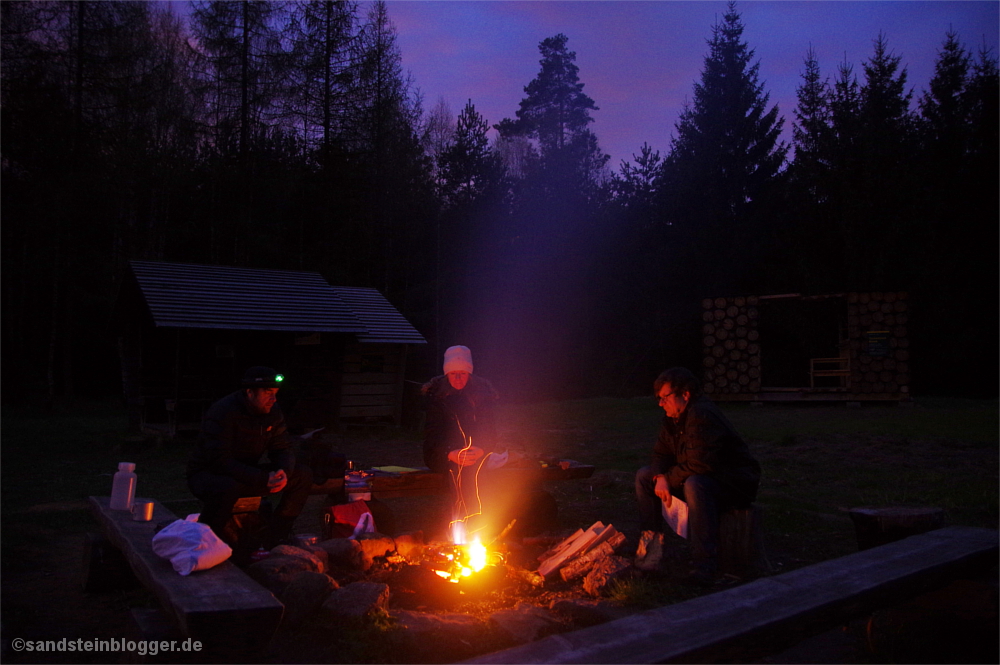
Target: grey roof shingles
{"points": [[199, 296], [383, 321]]}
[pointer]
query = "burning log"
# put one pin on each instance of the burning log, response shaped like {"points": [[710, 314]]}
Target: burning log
{"points": [[528, 576]]}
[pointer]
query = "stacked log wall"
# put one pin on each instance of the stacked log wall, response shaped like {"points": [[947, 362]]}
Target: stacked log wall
{"points": [[872, 373], [731, 346]]}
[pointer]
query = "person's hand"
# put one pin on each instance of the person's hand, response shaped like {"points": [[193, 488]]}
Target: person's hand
{"points": [[276, 480], [663, 490]]}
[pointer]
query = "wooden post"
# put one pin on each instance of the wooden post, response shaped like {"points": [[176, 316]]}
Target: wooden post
{"points": [[878, 526], [741, 542]]}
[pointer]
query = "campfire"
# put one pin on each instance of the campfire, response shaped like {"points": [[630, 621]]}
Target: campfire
{"points": [[456, 563], [466, 558]]}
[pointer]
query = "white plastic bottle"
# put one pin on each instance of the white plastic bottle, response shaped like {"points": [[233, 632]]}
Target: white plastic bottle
{"points": [[123, 487]]}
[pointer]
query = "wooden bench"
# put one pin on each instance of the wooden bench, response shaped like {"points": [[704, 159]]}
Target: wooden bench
{"points": [[750, 621], [223, 608]]}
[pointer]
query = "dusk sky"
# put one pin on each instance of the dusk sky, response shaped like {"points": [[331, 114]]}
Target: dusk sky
{"points": [[639, 60]]}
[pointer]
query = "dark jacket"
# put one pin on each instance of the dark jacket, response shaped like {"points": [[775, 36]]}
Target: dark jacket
{"points": [[234, 438], [703, 441], [452, 413]]}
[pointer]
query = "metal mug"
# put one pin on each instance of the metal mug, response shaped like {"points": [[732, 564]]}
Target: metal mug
{"points": [[142, 511], [306, 539]]}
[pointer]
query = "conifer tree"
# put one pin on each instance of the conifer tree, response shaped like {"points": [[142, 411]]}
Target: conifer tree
{"points": [[727, 154], [468, 165], [811, 134], [555, 115], [318, 92]]}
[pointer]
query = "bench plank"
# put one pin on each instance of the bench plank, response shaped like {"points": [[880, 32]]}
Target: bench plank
{"points": [[764, 616], [222, 607]]}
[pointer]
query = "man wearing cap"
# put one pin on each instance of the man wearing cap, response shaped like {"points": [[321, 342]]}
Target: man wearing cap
{"points": [[236, 433]]}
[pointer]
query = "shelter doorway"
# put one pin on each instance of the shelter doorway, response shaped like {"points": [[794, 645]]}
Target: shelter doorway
{"points": [[793, 331]]}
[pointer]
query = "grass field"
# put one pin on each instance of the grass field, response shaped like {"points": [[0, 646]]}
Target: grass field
{"points": [[818, 461]]}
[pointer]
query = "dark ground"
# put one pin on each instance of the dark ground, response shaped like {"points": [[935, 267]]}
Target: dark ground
{"points": [[43, 540]]}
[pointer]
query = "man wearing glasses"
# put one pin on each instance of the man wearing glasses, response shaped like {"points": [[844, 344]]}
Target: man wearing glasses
{"points": [[700, 458]]}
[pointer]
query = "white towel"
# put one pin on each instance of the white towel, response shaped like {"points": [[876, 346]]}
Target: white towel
{"points": [[676, 516]]}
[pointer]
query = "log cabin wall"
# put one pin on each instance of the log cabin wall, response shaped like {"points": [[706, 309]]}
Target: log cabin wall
{"points": [[871, 363], [371, 389]]}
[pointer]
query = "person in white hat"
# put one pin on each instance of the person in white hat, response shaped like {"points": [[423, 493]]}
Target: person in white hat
{"points": [[460, 408]]}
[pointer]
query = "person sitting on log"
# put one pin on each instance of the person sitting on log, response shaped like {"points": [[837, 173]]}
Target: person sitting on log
{"points": [[700, 458], [460, 429], [236, 433]]}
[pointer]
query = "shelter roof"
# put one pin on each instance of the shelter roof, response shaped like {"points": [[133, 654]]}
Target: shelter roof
{"points": [[181, 295], [383, 322]]}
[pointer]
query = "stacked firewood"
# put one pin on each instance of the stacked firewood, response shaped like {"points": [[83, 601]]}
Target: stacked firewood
{"points": [[877, 344], [885, 371], [590, 555], [731, 349]]}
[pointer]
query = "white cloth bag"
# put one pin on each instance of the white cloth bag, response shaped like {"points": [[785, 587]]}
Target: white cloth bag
{"points": [[190, 545], [676, 516]]}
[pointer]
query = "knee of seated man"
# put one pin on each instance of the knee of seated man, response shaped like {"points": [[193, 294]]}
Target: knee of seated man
{"points": [[644, 475], [700, 484]]}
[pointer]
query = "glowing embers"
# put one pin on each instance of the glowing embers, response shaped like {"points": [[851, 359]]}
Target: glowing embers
{"points": [[456, 562]]}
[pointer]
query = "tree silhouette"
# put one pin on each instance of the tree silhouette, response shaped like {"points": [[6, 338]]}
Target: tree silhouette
{"points": [[555, 114], [726, 157]]}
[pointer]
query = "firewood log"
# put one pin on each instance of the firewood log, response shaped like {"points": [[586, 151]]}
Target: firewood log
{"points": [[582, 564]]}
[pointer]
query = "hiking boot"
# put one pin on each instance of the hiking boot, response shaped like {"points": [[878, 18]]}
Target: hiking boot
{"points": [[649, 553]]}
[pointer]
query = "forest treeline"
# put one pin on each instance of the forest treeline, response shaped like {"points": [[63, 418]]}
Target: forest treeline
{"points": [[289, 136]]}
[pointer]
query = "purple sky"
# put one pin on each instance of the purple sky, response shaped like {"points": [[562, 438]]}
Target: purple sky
{"points": [[638, 60]]}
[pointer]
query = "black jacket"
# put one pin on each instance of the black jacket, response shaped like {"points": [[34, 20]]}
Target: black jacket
{"points": [[452, 413], [703, 441], [234, 438]]}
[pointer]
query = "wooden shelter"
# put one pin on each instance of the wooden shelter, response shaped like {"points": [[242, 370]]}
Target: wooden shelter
{"points": [[187, 332], [845, 346]]}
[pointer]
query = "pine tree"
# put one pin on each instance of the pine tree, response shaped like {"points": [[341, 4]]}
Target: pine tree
{"points": [[555, 114], [245, 56], [726, 157], [634, 186], [468, 165], [383, 127], [811, 134], [319, 84], [942, 105]]}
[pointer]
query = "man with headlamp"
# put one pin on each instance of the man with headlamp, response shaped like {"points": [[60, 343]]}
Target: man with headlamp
{"points": [[237, 432]]}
